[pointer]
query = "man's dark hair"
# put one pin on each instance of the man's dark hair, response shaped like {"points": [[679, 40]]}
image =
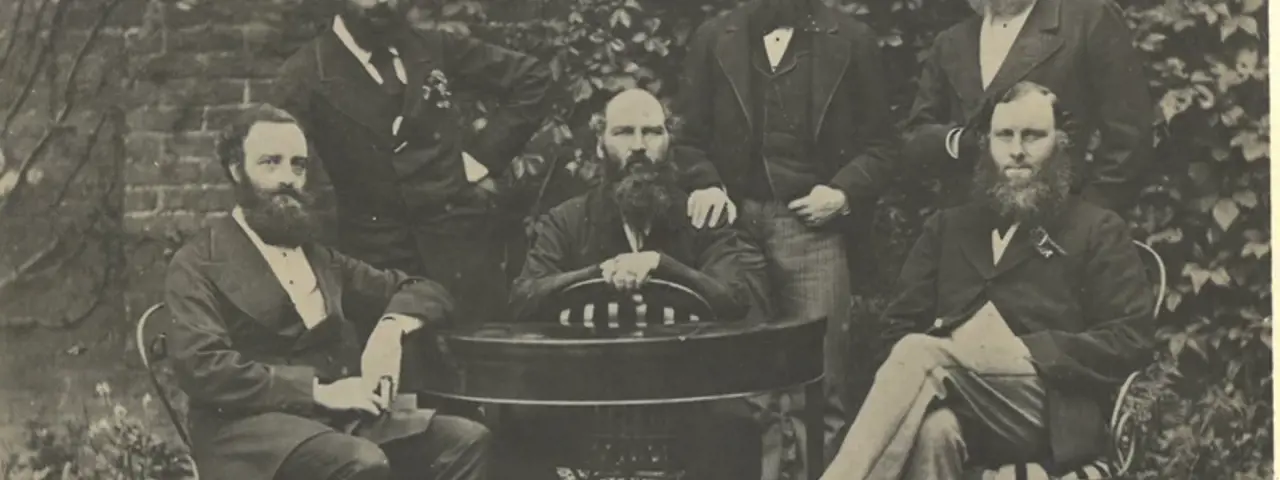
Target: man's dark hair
{"points": [[1063, 121], [230, 146]]}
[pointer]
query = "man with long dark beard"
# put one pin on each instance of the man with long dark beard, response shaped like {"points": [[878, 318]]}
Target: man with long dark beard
{"points": [[1017, 317], [267, 353], [627, 230]]}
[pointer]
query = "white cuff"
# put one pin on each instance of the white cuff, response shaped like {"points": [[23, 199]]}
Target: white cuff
{"points": [[402, 323], [953, 142], [474, 169]]}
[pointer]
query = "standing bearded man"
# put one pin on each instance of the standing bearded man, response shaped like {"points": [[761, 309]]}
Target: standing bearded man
{"points": [[1082, 50], [786, 122], [1018, 316], [374, 95]]}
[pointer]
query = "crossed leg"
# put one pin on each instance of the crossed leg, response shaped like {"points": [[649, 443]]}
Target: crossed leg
{"points": [[939, 404]]}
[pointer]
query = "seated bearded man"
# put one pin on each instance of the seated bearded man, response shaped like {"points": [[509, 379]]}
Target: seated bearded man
{"points": [[1018, 316], [632, 228], [264, 341]]}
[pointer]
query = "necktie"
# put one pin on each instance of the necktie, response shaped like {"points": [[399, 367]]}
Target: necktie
{"points": [[383, 60]]}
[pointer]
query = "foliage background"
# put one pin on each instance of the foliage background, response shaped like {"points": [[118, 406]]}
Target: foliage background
{"points": [[1207, 397], [65, 141]]}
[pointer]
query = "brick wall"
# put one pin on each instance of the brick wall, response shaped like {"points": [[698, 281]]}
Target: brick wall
{"points": [[208, 60], [200, 62]]}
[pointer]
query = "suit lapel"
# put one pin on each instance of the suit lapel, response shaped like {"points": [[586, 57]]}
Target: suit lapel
{"points": [[1019, 250], [733, 52], [347, 85], [831, 49], [961, 60], [245, 278], [417, 52], [975, 239], [1036, 42]]}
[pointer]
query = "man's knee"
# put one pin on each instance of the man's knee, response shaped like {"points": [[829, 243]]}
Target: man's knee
{"points": [[940, 430], [465, 434], [918, 349], [363, 460]]}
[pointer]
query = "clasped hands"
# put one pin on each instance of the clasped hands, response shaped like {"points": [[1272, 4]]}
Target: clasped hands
{"points": [[628, 271], [708, 205], [381, 359]]}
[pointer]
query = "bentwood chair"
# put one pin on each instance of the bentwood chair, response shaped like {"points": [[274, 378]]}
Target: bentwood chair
{"points": [[1123, 434], [150, 336], [627, 442]]}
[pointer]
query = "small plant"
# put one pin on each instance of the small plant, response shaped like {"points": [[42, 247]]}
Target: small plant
{"points": [[115, 446]]}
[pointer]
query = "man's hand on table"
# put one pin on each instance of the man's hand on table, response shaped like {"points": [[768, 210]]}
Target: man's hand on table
{"points": [[627, 272]]}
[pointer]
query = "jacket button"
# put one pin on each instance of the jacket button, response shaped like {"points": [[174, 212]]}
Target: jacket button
{"points": [[937, 323], [345, 371]]}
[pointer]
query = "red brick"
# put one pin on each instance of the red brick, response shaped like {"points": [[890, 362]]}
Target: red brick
{"points": [[144, 147], [261, 91], [205, 38], [199, 199], [167, 172], [215, 118], [191, 144], [166, 119], [238, 64], [141, 199], [163, 224], [190, 91]]}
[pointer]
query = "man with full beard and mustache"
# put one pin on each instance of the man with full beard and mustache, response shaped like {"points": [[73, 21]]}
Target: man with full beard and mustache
{"points": [[265, 348], [1082, 50], [628, 229], [1017, 317]]}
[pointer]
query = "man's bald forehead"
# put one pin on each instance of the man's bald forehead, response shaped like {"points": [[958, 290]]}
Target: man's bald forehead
{"points": [[1029, 108], [635, 102]]}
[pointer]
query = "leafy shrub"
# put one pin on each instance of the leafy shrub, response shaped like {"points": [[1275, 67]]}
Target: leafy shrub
{"points": [[1207, 398], [116, 446]]}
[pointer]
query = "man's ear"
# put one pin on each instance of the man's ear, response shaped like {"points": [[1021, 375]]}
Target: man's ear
{"points": [[237, 172]]}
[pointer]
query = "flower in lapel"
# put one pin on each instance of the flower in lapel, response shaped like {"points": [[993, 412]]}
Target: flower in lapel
{"points": [[1044, 244], [437, 83]]}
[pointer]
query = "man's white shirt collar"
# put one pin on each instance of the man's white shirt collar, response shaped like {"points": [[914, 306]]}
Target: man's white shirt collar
{"points": [[996, 41], [363, 55], [776, 43], [292, 270]]}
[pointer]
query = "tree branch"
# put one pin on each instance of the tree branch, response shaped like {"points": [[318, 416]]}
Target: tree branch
{"points": [[67, 104], [13, 34], [41, 57]]}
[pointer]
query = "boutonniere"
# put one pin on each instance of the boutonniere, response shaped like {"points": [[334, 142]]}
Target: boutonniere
{"points": [[438, 85], [1045, 244]]}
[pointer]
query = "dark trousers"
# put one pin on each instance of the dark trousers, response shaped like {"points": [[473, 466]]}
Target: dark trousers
{"points": [[450, 449], [713, 445]]}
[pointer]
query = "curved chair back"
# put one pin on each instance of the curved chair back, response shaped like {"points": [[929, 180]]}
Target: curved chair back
{"points": [[150, 337], [596, 304], [1156, 269]]}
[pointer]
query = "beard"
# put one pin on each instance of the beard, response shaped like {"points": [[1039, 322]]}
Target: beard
{"points": [[1029, 201], [375, 27], [281, 217], [643, 189], [999, 7]]}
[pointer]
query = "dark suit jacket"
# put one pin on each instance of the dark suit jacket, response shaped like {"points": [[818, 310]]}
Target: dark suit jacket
{"points": [[853, 137], [1084, 313], [247, 362], [1083, 51], [575, 237], [386, 198]]}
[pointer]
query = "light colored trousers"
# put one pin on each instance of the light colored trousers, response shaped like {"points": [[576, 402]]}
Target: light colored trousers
{"points": [[808, 271], [941, 405]]}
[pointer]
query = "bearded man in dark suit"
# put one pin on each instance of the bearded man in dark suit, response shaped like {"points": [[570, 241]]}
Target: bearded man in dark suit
{"points": [[374, 95], [1082, 50], [786, 131], [265, 346], [1017, 318]]}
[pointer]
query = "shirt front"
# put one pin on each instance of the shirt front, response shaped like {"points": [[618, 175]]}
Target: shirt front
{"points": [[996, 40], [294, 273], [472, 168]]}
